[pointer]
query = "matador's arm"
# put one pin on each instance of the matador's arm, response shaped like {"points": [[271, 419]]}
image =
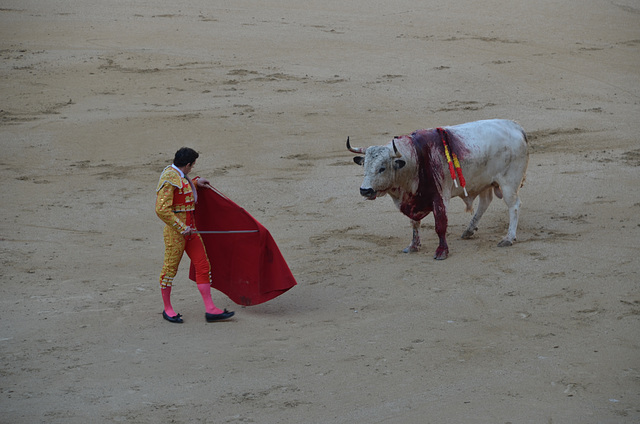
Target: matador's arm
{"points": [[164, 203]]}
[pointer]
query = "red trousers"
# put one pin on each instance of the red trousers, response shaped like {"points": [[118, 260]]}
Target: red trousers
{"points": [[175, 244]]}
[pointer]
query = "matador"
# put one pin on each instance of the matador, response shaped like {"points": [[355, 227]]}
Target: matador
{"points": [[176, 201]]}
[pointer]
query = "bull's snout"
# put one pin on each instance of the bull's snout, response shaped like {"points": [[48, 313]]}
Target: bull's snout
{"points": [[369, 193]]}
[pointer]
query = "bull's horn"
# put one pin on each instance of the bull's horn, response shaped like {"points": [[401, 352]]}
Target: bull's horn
{"points": [[355, 149], [395, 149]]}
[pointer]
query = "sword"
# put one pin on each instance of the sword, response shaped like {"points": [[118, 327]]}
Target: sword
{"points": [[226, 232]]}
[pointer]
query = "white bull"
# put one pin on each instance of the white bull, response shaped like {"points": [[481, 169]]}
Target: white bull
{"points": [[414, 171]]}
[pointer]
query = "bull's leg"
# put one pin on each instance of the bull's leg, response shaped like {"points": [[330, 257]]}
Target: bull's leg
{"points": [[415, 242], [513, 203], [440, 216], [485, 199]]}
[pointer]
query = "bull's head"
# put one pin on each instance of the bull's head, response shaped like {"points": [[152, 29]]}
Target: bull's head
{"points": [[380, 166]]}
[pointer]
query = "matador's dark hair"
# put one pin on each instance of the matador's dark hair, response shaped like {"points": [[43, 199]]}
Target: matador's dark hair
{"points": [[185, 156]]}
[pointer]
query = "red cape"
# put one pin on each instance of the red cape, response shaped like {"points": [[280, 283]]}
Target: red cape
{"points": [[247, 267]]}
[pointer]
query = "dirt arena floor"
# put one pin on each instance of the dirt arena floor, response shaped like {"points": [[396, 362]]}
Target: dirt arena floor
{"points": [[98, 95]]}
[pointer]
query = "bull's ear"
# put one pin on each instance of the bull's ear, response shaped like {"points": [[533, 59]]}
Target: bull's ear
{"points": [[399, 163], [359, 160]]}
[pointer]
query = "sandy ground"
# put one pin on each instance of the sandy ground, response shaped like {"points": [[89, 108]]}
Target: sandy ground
{"points": [[96, 98]]}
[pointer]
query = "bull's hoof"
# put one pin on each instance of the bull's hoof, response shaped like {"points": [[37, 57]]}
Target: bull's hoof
{"points": [[410, 249], [468, 234], [441, 255], [505, 243]]}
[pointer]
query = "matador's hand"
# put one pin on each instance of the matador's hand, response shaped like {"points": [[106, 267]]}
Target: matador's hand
{"points": [[188, 231], [203, 182]]}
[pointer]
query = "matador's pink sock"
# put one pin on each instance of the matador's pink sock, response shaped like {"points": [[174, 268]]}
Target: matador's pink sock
{"points": [[205, 291], [166, 298]]}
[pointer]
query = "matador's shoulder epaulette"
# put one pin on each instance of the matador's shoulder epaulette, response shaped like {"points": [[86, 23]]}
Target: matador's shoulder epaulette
{"points": [[171, 176]]}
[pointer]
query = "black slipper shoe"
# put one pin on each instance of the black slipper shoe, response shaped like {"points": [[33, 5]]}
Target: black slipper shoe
{"points": [[177, 319], [219, 317]]}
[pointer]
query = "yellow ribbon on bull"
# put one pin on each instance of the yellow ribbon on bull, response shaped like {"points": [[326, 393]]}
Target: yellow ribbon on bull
{"points": [[451, 170]]}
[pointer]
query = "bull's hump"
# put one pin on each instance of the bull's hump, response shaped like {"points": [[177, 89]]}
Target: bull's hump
{"points": [[423, 139]]}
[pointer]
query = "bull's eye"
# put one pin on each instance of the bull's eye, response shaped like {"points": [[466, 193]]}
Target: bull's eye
{"points": [[381, 170]]}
